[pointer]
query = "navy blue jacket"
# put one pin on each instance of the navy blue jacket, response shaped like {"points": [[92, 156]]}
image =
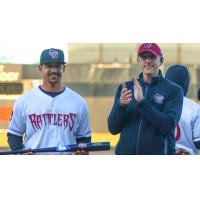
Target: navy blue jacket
{"points": [[147, 128]]}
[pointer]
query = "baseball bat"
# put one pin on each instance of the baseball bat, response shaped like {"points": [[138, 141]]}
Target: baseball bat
{"points": [[96, 146]]}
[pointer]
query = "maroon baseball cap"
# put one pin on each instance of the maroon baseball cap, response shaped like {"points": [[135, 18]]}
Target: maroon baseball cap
{"points": [[150, 47]]}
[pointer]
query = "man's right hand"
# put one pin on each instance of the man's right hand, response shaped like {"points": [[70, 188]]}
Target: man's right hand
{"points": [[28, 153], [126, 95], [181, 152]]}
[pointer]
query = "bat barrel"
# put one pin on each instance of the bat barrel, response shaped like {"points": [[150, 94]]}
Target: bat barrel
{"points": [[98, 146]]}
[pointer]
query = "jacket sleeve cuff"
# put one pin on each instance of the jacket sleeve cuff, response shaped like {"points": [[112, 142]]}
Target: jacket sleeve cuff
{"points": [[141, 104], [122, 106]]}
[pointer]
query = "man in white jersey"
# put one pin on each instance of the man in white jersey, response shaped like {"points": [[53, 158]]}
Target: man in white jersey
{"points": [[188, 129], [50, 115]]}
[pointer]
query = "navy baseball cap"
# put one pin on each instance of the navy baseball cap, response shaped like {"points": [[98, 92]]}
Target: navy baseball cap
{"points": [[179, 74], [52, 55]]}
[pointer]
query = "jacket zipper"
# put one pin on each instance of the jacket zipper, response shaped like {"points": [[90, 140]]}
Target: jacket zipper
{"points": [[140, 125]]}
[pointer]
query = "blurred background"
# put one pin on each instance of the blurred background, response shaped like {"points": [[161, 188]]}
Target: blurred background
{"points": [[94, 70]]}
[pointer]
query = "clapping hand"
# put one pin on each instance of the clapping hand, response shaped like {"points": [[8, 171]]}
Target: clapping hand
{"points": [[137, 90], [126, 95]]}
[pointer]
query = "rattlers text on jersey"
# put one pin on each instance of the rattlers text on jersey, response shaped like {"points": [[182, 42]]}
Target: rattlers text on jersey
{"points": [[48, 121]]}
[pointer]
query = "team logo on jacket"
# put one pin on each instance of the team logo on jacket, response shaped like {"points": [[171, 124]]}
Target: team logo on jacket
{"points": [[158, 98], [53, 54]]}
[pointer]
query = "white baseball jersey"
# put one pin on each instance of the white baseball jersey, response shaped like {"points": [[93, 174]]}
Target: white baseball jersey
{"points": [[188, 129], [50, 121]]}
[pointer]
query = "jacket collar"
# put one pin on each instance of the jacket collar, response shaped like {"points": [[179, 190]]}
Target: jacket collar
{"points": [[154, 79]]}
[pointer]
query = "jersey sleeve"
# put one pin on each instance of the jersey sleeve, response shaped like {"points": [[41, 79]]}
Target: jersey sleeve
{"points": [[84, 130], [17, 123]]}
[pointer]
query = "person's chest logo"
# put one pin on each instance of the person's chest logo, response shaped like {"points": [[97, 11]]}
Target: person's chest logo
{"points": [[158, 99], [49, 119]]}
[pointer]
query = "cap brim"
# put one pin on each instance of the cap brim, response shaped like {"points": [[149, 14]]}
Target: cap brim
{"points": [[56, 61]]}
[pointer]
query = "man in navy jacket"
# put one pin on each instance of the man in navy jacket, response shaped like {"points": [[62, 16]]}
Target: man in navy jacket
{"points": [[146, 110]]}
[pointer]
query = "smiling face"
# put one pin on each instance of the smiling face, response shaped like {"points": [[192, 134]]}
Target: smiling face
{"points": [[149, 64], [52, 73]]}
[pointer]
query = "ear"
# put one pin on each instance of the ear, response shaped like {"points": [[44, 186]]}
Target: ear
{"points": [[40, 67], [161, 60], [63, 68]]}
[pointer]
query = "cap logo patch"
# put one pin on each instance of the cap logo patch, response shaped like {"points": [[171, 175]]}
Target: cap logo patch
{"points": [[53, 54], [148, 45], [158, 98]]}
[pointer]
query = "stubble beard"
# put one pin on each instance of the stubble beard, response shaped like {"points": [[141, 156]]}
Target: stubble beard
{"points": [[54, 79]]}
